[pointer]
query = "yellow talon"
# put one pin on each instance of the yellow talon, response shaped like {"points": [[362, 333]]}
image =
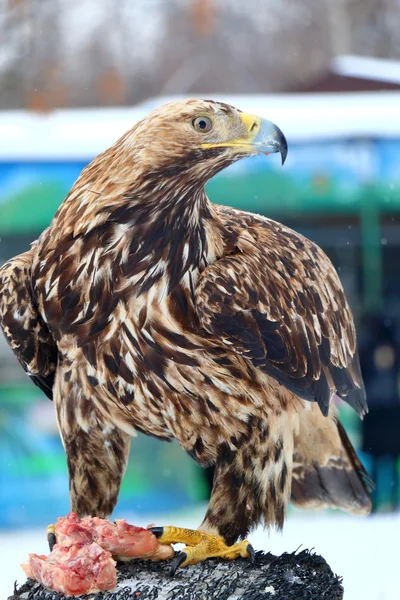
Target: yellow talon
{"points": [[200, 545], [51, 536]]}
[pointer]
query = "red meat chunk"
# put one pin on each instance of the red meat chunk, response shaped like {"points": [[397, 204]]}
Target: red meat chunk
{"points": [[73, 570], [119, 538], [81, 561]]}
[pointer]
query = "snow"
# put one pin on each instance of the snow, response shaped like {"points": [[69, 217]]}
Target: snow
{"points": [[83, 133], [62, 134], [363, 550], [305, 117], [366, 67]]}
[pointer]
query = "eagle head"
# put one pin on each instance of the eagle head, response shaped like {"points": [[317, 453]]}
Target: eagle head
{"points": [[197, 138]]}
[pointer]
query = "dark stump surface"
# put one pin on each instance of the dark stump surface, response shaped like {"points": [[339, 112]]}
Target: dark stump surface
{"points": [[296, 576]]}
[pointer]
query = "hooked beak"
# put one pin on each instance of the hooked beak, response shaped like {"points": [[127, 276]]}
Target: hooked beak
{"points": [[259, 137], [268, 138]]}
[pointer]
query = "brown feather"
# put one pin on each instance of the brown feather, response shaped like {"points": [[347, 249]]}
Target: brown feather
{"points": [[23, 325], [286, 310], [327, 472]]}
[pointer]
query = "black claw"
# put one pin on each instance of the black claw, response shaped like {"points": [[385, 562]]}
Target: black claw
{"points": [[177, 561], [51, 540], [157, 531], [252, 554]]}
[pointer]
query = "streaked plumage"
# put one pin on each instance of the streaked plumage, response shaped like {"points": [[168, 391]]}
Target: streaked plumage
{"points": [[143, 307]]}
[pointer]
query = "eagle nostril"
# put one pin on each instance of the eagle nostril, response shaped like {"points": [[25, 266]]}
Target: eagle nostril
{"points": [[254, 126]]}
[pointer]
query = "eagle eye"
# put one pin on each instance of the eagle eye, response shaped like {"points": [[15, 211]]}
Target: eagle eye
{"points": [[202, 124]]}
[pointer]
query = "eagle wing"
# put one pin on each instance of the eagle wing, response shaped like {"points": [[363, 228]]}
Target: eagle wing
{"points": [[22, 324], [276, 299]]}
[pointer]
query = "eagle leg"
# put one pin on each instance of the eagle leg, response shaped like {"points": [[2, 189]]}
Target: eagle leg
{"points": [[252, 479], [200, 546], [97, 451]]}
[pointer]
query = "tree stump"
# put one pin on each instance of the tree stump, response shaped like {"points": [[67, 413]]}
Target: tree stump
{"points": [[296, 576]]}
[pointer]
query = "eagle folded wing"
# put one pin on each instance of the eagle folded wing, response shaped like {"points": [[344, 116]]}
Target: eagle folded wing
{"points": [[289, 318], [22, 325]]}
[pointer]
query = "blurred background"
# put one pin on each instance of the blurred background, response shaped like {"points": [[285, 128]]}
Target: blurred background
{"points": [[75, 75]]}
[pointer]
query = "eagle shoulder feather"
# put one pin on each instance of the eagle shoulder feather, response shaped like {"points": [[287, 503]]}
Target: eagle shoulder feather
{"points": [[276, 299]]}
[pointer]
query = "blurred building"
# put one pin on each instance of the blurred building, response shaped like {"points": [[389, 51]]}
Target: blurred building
{"points": [[379, 342], [355, 74]]}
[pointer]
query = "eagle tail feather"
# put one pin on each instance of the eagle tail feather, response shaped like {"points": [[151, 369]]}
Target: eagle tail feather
{"points": [[329, 475]]}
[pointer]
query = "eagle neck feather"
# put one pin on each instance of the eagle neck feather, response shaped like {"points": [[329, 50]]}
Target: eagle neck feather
{"points": [[168, 230], [157, 225]]}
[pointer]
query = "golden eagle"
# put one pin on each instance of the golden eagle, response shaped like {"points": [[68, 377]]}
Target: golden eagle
{"points": [[144, 307]]}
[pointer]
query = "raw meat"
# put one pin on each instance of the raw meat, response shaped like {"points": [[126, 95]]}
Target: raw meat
{"points": [[119, 538], [81, 561], [73, 570]]}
